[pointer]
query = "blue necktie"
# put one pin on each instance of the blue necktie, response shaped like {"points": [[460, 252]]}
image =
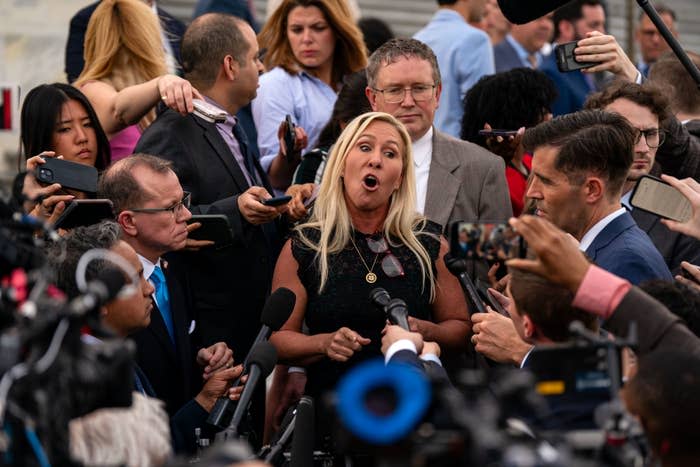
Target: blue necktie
{"points": [[163, 299], [248, 157]]}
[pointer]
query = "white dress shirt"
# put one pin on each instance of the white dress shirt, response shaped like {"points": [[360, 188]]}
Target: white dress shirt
{"points": [[422, 155]]}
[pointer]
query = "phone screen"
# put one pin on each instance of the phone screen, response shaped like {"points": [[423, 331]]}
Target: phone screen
{"points": [[660, 198], [489, 241]]}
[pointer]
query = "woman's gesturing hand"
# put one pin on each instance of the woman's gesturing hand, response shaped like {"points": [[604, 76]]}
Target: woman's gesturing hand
{"points": [[342, 344]]}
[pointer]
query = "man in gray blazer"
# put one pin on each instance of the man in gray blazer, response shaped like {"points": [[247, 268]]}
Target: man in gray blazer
{"points": [[455, 179]]}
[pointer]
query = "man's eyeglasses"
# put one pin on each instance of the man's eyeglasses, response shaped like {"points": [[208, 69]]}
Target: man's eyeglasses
{"points": [[419, 92], [654, 137], [175, 208], [390, 264]]}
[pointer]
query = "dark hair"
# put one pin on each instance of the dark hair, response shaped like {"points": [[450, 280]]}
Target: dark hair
{"points": [[207, 40], [351, 103], [376, 32], [573, 11], [682, 300], [397, 48], [512, 99], [670, 75], [665, 393], [118, 184], [548, 305], [64, 255], [646, 95], [40, 113], [588, 141], [661, 9]]}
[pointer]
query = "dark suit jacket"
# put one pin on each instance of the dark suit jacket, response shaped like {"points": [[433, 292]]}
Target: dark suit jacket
{"points": [[673, 246], [623, 249], [228, 286], [572, 87], [679, 156], [466, 183], [433, 371], [170, 370], [173, 28], [506, 57]]}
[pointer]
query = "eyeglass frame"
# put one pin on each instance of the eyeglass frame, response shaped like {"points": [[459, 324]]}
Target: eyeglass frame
{"points": [[184, 202], [386, 251], [404, 89], [660, 131]]}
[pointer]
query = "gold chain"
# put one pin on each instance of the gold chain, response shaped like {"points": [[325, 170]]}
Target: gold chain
{"points": [[371, 277]]}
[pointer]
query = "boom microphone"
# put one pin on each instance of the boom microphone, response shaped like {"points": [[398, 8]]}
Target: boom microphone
{"points": [[524, 11], [278, 307], [262, 359]]}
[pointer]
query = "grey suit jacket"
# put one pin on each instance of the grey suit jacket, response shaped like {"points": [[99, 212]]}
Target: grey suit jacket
{"points": [[466, 182]]}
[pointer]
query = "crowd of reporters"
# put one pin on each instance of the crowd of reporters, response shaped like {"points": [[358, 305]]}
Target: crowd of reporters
{"points": [[225, 167]]}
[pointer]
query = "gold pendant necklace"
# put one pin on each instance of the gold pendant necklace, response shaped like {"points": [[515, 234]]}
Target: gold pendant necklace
{"points": [[370, 277]]}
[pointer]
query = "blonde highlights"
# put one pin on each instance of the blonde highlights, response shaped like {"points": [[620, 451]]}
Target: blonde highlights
{"points": [[123, 47], [350, 52], [330, 215]]}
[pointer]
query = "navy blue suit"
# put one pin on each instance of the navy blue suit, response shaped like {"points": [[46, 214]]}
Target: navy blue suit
{"points": [[432, 370], [625, 250], [173, 28], [571, 86], [506, 58]]}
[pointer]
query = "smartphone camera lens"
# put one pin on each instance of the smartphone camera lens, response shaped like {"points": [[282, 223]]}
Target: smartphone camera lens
{"points": [[46, 174]]}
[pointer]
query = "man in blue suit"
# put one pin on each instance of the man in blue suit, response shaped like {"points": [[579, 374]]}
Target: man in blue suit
{"points": [[579, 168], [571, 23]]}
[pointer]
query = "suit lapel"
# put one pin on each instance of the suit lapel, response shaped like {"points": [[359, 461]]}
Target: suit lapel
{"points": [[180, 319], [610, 233], [223, 152], [160, 332], [443, 186]]}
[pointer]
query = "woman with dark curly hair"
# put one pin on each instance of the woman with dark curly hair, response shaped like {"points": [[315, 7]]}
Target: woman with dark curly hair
{"points": [[513, 100]]}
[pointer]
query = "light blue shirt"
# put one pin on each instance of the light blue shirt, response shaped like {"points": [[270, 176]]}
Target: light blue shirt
{"points": [[307, 99], [524, 54], [464, 54]]}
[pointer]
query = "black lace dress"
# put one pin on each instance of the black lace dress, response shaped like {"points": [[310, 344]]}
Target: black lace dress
{"points": [[345, 299]]}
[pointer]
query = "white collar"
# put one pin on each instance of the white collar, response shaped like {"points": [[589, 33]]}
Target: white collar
{"points": [[625, 200], [422, 148], [593, 232], [148, 266]]}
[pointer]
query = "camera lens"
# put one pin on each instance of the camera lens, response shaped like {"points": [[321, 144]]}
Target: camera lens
{"points": [[46, 174]]}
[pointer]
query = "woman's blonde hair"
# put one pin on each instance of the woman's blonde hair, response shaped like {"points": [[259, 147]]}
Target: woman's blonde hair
{"points": [[123, 47], [350, 53], [330, 214]]}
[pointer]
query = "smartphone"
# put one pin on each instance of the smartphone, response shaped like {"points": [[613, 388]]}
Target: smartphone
{"points": [[215, 227], [208, 112], [658, 197], [504, 133], [82, 212], [277, 200], [72, 175], [488, 299], [289, 134], [566, 59], [486, 240]]}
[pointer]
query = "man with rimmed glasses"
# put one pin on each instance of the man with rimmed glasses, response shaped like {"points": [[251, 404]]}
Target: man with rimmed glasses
{"points": [[152, 211], [455, 180], [646, 108]]}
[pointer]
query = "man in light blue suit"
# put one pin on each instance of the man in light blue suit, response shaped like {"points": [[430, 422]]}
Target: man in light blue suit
{"points": [[464, 54], [579, 168]]}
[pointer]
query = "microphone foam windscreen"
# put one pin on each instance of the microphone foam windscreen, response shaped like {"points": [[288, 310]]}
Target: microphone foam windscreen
{"points": [[278, 307], [264, 355]]}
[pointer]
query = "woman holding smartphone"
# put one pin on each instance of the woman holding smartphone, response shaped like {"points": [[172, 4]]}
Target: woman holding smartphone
{"points": [[311, 45], [57, 120]]}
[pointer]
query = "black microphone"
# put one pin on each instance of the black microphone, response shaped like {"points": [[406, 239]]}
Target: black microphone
{"points": [[397, 312], [524, 11], [103, 289], [278, 307], [262, 359], [380, 298], [458, 267], [302, 452]]}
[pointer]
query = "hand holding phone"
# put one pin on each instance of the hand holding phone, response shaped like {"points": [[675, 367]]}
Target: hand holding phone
{"points": [[277, 200], [68, 174], [493, 133], [566, 59], [658, 197], [289, 135], [208, 112]]}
